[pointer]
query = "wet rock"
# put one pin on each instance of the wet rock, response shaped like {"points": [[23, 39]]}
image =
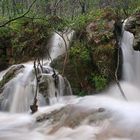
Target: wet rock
{"points": [[130, 24], [43, 87], [13, 71], [96, 36], [43, 84], [133, 25]]}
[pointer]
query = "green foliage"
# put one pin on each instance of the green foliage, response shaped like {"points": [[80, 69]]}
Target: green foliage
{"points": [[107, 49], [137, 10], [5, 32], [104, 57], [3, 19], [82, 93], [29, 37], [82, 20], [79, 52], [18, 24], [99, 81], [57, 23], [123, 9]]}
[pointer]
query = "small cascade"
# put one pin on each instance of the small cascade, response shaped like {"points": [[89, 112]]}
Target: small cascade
{"points": [[131, 63], [57, 87], [64, 89], [60, 42], [18, 93]]}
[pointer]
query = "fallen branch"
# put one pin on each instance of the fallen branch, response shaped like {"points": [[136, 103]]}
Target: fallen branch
{"points": [[37, 68], [117, 68], [34, 106], [116, 77]]}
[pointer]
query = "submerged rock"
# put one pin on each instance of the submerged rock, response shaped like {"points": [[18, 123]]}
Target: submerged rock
{"points": [[71, 116]]}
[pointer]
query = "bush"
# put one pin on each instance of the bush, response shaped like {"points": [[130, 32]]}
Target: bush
{"points": [[29, 37], [99, 81], [79, 52]]}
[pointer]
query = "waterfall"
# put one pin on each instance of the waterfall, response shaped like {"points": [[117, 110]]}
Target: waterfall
{"points": [[130, 82], [58, 43], [18, 93], [131, 63]]}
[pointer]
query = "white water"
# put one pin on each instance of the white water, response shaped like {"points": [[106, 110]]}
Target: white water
{"points": [[19, 92], [119, 120], [59, 46]]}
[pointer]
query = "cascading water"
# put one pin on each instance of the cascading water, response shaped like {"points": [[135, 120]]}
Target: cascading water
{"points": [[131, 64]]}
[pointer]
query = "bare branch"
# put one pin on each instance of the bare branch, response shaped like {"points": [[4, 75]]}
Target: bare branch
{"points": [[116, 73], [37, 68], [9, 21], [34, 106], [66, 47], [116, 78]]}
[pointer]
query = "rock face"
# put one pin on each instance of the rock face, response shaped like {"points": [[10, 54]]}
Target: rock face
{"points": [[133, 25]]}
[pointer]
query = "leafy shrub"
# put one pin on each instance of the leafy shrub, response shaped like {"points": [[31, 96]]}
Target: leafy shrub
{"points": [[81, 21], [29, 37], [79, 52], [4, 31], [99, 81], [82, 93]]}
